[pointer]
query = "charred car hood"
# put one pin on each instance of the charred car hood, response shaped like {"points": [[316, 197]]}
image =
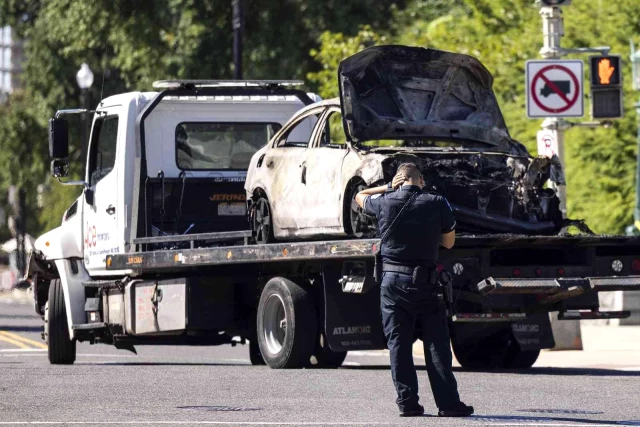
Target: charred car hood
{"points": [[400, 92]]}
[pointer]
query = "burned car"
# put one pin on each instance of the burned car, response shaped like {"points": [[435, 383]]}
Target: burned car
{"points": [[401, 104]]}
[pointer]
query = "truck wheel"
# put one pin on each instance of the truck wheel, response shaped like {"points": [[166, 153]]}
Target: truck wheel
{"points": [[262, 222], [516, 358], [287, 324], [62, 349], [255, 356], [481, 356], [324, 357]]}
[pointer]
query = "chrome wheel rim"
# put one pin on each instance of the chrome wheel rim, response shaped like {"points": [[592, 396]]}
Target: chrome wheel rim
{"points": [[275, 323]]}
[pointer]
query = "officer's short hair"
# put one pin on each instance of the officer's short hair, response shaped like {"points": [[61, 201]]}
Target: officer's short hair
{"points": [[409, 170]]}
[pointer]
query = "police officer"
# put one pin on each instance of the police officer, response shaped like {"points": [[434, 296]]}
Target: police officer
{"points": [[425, 223]]}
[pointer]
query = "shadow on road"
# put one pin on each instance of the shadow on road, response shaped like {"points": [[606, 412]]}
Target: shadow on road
{"points": [[14, 328], [531, 371], [524, 419], [166, 363], [20, 316]]}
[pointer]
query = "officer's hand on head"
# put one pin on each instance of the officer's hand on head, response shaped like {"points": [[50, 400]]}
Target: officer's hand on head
{"points": [[398, 180]]}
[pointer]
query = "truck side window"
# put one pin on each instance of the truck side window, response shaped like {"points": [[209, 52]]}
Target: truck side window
{"points": [[103, 148], [300, 133]]}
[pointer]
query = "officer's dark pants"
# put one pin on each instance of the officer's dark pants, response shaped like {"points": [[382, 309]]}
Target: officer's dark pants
{"points": [[402, 304]]}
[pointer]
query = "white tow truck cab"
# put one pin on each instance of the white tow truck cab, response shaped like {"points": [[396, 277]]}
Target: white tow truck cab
{"points": [[159, 164]]}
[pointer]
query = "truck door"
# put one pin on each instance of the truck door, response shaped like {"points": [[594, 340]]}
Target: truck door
{"points": [[103, 217]]}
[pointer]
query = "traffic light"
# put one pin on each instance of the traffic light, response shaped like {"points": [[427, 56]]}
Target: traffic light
{"points": [[555, 2], [606, 87]]}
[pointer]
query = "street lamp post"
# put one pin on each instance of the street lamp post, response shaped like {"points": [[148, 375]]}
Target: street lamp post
{"points": [[84, 77], [635, 64]]}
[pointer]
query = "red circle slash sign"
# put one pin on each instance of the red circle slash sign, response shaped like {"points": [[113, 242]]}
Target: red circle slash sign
{"points": [[570, 102]]}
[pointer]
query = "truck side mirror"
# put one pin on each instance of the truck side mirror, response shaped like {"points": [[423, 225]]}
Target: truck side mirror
{"points": [[58, 139], [60, 168], [88, 196]]}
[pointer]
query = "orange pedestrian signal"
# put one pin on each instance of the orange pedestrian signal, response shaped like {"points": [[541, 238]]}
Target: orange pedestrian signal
{"points": [[606, 87], [605, 70]]}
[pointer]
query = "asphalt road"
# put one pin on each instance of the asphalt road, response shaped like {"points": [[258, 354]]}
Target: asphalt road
{"points": [[217, 386]]}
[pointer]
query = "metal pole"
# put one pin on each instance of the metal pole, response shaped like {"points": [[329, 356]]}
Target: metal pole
{"points": [[237, 39], [636, 211], [21, 260], [552, 31], [85, 142]]}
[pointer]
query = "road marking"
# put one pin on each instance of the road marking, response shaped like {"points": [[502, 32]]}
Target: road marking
{"points": [[23, 339], [211, 423], [14, 342], [21, 350]]}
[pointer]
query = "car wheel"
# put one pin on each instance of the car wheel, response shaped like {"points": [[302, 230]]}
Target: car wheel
{"points": [[261, 222], [61, 349], [360, 224], [287, 324]]}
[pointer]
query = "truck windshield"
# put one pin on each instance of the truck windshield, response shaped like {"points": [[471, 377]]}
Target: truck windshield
{"points": [[214, 146]]}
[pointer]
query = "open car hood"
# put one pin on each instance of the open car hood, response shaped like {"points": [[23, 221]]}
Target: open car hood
{"points": [[400, 92]]}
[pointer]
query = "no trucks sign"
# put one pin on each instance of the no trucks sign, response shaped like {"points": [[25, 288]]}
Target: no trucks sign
{"points": [[555, 89]]}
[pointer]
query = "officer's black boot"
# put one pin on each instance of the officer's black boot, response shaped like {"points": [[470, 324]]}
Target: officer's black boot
{"points": [[417, 411], [458, 410]]}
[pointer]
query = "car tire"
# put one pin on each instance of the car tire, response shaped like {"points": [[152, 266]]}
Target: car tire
{"points": [[324, 357], [262, 221], [287, 324], [357, 224], [61, 348]]}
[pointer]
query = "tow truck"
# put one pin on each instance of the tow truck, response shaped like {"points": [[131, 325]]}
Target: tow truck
{"points": [[156, 250]]}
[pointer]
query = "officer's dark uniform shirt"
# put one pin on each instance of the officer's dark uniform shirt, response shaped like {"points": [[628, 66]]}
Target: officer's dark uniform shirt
{"points": [[415, 238]]}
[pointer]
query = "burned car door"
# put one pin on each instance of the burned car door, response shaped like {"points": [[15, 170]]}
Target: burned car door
{"points": [[283, 164], [321, 172]]}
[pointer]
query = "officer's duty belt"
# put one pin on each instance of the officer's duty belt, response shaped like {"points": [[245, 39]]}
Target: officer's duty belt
{"points": [[395, 268]]}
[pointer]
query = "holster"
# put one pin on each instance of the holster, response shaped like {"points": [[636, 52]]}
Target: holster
{"points": [[377, 266], [424, 276]]}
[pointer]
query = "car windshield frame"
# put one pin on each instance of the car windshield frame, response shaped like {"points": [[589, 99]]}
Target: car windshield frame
{"points": [[275, 126]]}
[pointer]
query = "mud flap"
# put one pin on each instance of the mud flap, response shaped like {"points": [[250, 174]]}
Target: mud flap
{"points": [[352, 321], [534, 332]]}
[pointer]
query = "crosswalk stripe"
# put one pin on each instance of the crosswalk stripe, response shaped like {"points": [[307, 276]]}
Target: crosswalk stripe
{"points": [[17, 337]]}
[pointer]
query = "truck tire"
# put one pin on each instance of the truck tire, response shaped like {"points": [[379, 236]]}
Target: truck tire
{"points": [[324, 357], [287, 324], [479, 356], [255, 356], [62, 349], [516, 358]]}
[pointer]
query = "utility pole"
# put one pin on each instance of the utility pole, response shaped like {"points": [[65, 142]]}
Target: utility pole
{"points": [[552, 31], [238, 24]]}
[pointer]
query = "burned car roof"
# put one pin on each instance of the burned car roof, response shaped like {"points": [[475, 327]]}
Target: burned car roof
{"points": [[400, 92]]}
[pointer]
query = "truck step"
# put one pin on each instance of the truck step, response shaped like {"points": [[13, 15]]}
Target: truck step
{"points": [[592, 315], [104, 284], [488, 317], [89, 326], [627, 283], [500, 286]]}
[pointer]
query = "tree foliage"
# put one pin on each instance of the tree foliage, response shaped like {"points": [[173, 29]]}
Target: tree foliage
{"points": [[504, 34], [131, 43]]}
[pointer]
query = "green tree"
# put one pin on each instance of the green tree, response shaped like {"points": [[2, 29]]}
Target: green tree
{"points": [[504, 34], [131, 43]]}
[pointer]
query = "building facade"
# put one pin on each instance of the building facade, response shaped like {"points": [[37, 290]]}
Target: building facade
{"points": [[11, 53]]}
